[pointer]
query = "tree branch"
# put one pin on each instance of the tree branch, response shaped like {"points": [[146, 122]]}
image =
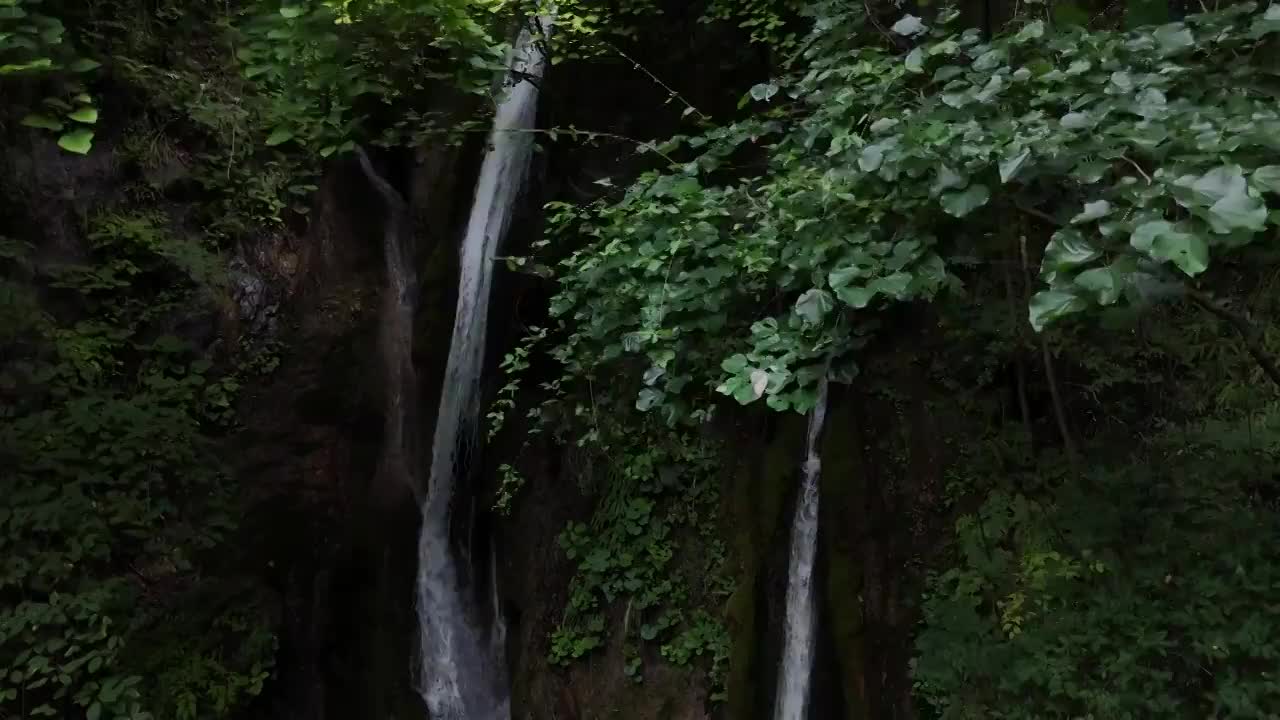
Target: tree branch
{"points": [[1248, 333], [1059, 413], [1042, 215]]}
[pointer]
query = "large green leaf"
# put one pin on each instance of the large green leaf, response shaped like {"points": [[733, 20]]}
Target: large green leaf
{"points": [[959, 204], [86, 115], [1173, 38], [42, 121], [915, 60], [1092, 211], [1010, 165], [858, 297], [814, 305], [278, 136], [1217, 184], [1050, 305], [1267, 177], [1163, 240], [1067, 249], [79, 141], [1238, 211], [734, 364], [1104, 283], [649, 397]]}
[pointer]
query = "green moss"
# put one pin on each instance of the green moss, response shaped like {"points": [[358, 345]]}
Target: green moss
{"points": [[842, 490]]}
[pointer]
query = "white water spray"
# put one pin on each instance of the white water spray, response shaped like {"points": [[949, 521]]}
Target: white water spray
{"points": [[797, 644], [462, 676]]}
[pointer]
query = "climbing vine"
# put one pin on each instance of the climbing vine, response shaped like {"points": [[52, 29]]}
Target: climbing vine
{"points": [[659, 501]]}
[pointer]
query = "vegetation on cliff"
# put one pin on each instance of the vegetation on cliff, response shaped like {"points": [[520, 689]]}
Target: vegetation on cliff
{"points": [[1062, 224]]}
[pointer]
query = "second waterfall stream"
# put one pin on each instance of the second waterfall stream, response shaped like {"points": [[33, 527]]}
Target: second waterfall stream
{"points": [[798, 631], [463, 673]]}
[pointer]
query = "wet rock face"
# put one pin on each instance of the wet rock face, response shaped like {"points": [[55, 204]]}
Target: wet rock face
{"points": [[57, 190], [255, 300]]}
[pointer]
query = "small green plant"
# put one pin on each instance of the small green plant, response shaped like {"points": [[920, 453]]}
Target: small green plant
{"points": [[112, 489], [34, 44], [659, 502], [1152, 602]]}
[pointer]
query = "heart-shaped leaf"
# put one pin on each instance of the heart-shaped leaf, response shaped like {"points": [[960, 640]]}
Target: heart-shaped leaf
{"points": [[909, 25], [814, 305], [1010, 166], [1092, 211], [959, 204], [1050, 305], [86, 115], [647, 398], [1163, 240], [278, 136], [43, 122], [1267, 177], [79, 142], [1104, 283], [1067, 249], [915, 60], [1238, 211]]}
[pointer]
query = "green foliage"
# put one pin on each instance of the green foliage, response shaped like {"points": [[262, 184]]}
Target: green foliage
{"points": [[755, 286], [658, 494], [34, 45], [919, 162], [208, 659], [769, 21], [1157, 602], [329, 68], [590, 28], [112, 494]]}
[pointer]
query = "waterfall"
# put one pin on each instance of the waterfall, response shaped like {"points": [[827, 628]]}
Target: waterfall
{"points": [[463, 677], [797, 644]]}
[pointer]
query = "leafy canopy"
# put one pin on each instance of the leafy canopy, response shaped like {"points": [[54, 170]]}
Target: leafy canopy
{"points": [[1152, 149]]}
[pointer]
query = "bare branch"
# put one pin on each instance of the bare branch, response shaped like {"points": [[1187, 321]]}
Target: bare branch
{"points": [[1248, 333]]}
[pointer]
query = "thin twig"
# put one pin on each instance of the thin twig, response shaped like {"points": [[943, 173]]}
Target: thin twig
{"points": [[1137, 167], [875, 21], [1248, 333], [670, 90], [1039, 214], [1020, 370], [1059, 414]]}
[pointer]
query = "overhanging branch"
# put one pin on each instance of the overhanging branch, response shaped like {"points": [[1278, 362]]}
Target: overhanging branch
{"points": [[1248, 333]]}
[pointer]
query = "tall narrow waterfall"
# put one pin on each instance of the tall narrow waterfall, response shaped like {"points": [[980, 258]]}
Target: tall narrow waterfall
{"points": [[463, 676], [798, 632]]}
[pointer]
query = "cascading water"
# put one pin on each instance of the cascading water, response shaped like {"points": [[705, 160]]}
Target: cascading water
{"points": [[797, 643], [463, 677]]}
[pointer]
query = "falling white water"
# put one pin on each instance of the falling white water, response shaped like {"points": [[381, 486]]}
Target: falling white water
{"points": [[463, 677], [797, 642]]}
